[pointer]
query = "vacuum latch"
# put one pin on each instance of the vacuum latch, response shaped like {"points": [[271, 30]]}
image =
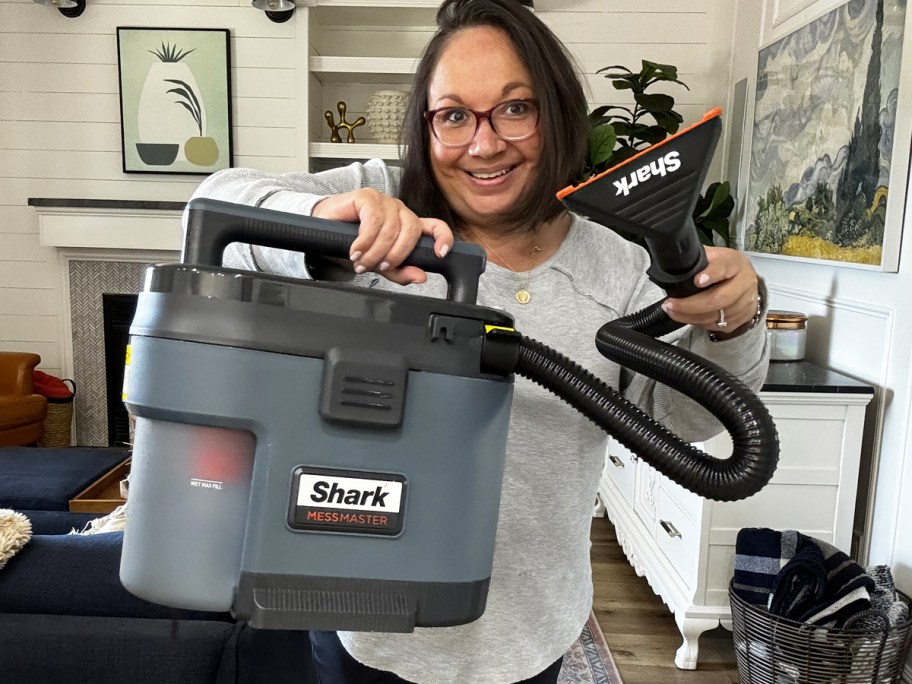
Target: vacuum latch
{"points": [[363, 387]]}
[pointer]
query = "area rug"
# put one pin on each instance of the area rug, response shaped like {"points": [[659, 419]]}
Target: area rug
{"points": [[589, 661]]}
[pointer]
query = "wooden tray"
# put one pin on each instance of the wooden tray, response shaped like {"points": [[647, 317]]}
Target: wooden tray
{"points": [[103, 495]]}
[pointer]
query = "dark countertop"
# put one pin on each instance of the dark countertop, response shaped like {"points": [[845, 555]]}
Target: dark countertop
{"points": [[802, 376], [105, 204]]}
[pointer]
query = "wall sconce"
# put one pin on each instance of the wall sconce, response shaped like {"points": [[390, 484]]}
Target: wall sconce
{"points": [[278, 11], [68, 8]]}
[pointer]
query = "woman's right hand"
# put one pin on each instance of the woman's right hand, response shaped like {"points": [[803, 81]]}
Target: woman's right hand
{"points": [[388, 232]]}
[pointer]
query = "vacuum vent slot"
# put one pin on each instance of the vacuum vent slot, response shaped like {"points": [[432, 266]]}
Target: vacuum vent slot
{"points": [[330, 609], [363, 387], [367, 398]]}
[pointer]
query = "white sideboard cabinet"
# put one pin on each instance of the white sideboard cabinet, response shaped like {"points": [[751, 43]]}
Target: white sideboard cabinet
{"points": [[684, 545]]}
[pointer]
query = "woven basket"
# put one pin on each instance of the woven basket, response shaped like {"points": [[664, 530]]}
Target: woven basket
{"points": [[774, 650], [59, 421]]}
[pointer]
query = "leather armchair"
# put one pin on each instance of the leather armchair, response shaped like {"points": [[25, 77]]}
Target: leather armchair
{"points": [[22, 412]]}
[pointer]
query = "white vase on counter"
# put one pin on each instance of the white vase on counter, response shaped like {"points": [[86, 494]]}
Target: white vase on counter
{"points": [[385, 112]]}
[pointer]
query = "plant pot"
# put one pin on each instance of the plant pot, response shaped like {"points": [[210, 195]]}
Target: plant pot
{"points": [[201, 151], [385, 112], [157, 154]]}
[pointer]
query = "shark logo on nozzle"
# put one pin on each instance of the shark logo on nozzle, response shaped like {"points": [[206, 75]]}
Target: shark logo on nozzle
{"points": [[660, 167]]}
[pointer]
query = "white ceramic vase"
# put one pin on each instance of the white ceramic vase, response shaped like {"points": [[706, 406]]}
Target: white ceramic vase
{"points": [[161, 120], [385, 112]]}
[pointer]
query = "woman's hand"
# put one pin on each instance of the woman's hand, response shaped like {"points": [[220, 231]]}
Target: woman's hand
{"points": [[388, 233], [728, 284]]}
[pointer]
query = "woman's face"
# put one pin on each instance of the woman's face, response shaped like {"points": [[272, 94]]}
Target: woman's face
{"points": [[483, 179]]}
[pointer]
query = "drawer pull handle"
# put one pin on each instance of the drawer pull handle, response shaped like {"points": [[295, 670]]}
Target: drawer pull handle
{"points": [[616, 461], [670, 529]]}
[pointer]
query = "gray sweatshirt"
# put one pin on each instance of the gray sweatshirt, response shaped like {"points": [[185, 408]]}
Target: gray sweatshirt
{"points": [[541, 589]]}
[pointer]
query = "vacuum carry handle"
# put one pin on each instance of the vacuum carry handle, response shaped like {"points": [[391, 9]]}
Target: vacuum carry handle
{"points": [[213, 224]]}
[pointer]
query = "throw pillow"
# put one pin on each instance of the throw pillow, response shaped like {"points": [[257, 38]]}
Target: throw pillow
{"points": [[15, 532]]}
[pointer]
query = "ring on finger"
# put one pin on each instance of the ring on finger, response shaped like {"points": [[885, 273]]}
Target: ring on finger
{"points": [[722, 324]]}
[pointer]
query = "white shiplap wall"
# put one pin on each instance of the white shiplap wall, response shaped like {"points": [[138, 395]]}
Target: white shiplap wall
{"points": [[60, 130], [59, 108]]}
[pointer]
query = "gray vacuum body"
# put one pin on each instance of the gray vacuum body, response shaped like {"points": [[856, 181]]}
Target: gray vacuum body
{"points": [[311, 456]]}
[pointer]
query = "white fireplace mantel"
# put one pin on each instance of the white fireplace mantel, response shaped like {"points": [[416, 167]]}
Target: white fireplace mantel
{"points": [[138, 230]]}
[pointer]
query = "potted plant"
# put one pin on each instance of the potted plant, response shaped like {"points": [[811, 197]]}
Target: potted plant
{"points": [[618, 132]]}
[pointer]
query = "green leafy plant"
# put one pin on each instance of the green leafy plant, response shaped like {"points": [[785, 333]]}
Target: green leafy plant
{"points": [[170, 53], [618, 132], [189, 101], [712, 211]]}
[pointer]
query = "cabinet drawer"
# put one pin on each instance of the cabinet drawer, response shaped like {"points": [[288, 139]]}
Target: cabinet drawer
{"points": [[690, 503], [620, 468], [676, 537]]}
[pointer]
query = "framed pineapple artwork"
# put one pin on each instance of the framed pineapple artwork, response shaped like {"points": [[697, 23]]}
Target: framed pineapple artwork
{"points": [[175, 99]]}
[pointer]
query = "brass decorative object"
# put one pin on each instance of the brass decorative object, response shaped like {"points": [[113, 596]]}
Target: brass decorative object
{"points": [[335, 127]]}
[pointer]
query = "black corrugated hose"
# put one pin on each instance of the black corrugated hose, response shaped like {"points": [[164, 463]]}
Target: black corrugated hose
{"points": [[630, 342]]}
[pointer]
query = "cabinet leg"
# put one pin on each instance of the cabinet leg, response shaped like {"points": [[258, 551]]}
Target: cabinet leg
{"points": [[691, 629]]}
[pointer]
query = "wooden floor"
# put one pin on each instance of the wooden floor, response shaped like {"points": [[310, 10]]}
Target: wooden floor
{"points": [[640, 629]]}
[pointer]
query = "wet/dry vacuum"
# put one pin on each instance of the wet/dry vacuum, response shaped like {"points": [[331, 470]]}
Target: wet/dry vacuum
{"points": [[312, 455]]}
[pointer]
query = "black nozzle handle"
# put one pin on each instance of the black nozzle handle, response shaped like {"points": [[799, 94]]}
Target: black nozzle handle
{"points": [[212, 225]]}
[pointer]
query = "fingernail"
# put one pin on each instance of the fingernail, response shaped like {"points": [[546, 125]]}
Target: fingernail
{"points": [[702, 279], [383, 266], [444, 250], [355, 256], [666, 306], [360, 269]]}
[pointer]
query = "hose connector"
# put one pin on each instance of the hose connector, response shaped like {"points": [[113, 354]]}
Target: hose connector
{"points": [[500, 350]]}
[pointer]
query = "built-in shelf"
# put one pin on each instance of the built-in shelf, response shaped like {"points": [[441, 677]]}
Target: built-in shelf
{"points": [[430, 4], [352, 78], [363, 65], [356, 48], [353, 150]]}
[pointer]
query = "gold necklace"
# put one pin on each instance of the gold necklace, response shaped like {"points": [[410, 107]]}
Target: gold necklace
{"points": [[522, 296]]}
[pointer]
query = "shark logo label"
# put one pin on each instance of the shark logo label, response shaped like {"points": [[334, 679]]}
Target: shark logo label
{"points": [[347, 501], [331, 492], [660, 167]]}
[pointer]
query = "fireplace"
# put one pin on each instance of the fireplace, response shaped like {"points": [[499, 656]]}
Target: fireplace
{"points": [[104, 246], [102, 302], [118, 310]]}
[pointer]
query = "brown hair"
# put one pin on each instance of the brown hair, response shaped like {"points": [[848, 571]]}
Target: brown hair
{"points": [[562, 111]]}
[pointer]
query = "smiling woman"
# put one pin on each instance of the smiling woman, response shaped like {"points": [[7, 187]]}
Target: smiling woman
{"points": [[482, 172], [484, 160]]}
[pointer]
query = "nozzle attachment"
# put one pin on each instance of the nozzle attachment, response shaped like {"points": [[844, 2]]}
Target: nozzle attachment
{"points": [[653, 195]]}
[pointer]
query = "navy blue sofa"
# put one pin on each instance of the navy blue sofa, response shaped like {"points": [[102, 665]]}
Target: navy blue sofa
{"points": [[65, 616]]}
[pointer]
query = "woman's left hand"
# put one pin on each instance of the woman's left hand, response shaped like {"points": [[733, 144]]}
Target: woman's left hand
{"points": [[728, 292]]}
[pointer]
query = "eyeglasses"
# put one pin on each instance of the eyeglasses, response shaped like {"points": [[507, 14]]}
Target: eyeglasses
{"points": [[513, 121]]}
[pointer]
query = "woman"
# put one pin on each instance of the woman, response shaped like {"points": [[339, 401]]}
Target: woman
{"points": [[495, 127]]}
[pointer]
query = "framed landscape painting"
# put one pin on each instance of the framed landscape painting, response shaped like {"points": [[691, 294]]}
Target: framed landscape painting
{"points": [[829, 149], [175, 99]]}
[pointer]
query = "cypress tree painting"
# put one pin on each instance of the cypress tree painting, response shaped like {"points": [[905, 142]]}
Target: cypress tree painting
{"points": [[823, 133]]}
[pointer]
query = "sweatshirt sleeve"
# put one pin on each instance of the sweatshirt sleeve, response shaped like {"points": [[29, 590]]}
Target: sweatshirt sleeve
{"points": [[292, 192]]}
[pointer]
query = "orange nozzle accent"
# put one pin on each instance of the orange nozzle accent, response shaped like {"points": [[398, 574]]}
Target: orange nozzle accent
{"points": [[712, 113]]}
